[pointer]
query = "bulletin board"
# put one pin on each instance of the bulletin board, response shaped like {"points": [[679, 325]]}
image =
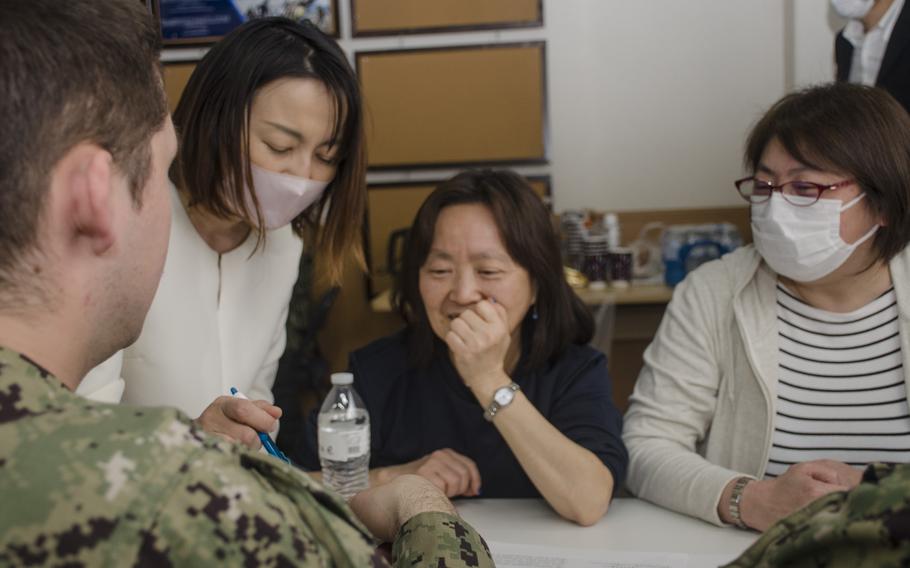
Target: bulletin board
{"points": [[194, 22], [392, 17], [176, 76], [455, 106], [392, 207]]}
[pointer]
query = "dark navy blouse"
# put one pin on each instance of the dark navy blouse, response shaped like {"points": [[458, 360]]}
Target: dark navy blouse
{"points": [[415, 412]]}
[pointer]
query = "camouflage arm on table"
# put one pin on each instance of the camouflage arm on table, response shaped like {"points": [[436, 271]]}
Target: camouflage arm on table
{"points": [[440, 539], [221, 514], [866, 527]]}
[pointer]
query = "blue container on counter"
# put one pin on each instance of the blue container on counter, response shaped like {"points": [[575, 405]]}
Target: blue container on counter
{"points": [[686, 247]]}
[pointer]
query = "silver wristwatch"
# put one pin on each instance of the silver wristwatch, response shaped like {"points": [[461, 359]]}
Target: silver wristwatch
{"points": [[736, 501], [501, 398]]}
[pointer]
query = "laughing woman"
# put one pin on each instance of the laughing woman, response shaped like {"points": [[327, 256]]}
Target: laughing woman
{"points": [[491, 389]]}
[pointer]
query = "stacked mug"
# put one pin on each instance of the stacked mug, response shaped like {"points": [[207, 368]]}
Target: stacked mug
{"points": [[574, 233], [597, 260]]}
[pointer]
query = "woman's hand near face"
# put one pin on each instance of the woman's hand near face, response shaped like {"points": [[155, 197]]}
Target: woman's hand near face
{"points": [[454, 474], [478, 340]]}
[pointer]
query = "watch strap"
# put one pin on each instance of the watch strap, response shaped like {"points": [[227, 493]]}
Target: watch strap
{"points": [[736, 499], [495, 407]]}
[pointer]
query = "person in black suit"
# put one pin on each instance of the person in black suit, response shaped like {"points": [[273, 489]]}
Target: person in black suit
{"points": [[894, 72]]}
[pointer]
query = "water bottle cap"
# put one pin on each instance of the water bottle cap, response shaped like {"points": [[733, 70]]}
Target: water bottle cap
{"points": [[342, 378]]}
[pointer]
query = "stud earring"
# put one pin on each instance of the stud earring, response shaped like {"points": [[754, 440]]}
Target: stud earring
{"points": [[534, 315]]}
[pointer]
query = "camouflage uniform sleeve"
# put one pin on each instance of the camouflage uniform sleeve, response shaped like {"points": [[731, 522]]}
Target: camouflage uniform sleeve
{"points": [[866, 527], [260, 514], [440, 539]]}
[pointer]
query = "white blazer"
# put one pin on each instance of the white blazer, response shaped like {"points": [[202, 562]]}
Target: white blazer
{"points": [[702, 412], [217, 321]]}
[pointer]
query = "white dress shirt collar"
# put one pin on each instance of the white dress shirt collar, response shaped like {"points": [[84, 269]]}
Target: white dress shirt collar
{"points": [[869, 46]]}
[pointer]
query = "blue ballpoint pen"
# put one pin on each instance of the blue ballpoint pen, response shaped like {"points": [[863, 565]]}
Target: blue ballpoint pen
{"points": [[267, 442]]}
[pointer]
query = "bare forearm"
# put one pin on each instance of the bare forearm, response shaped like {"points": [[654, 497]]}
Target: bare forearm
{"points": [[571, 478], [385, 508], [378, 475], [383, 475]]}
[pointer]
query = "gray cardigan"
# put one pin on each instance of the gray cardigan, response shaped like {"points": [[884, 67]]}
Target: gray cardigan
{"points": [[703, 407]]}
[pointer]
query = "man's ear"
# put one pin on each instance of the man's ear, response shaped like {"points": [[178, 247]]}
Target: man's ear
{"points": [[86, 184]]}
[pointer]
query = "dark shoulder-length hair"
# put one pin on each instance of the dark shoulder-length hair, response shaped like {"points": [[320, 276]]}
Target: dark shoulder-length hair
{"points": [[529, 237], [212, 120], [861, 132]]}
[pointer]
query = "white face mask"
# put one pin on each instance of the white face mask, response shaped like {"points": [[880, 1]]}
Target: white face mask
{"points": [[852, 9], [281, 197], [803, 243]]}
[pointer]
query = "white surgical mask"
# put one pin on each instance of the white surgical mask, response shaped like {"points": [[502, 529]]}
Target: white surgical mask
{"points": [[803, 243], [852, 9], [281, 197]]}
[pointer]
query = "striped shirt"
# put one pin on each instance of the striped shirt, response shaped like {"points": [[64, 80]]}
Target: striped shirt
{"points": [[841, 393]]}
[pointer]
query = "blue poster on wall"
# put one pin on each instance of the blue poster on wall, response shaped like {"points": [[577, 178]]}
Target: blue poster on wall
{"points": [[195, 21]]}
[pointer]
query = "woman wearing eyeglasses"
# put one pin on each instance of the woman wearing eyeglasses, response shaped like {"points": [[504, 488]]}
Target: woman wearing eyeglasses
{"points": [[780, 370]]}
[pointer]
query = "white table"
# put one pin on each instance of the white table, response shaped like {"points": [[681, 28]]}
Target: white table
{"points": [[630, 526]]}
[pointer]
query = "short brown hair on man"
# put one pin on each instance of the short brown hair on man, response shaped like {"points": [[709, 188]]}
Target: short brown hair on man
{"points": [[861, 132], [65, 79]]}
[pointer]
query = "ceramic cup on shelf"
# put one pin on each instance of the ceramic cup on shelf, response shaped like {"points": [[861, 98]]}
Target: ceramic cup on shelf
{"points": [[596, 261], [621, 267]]}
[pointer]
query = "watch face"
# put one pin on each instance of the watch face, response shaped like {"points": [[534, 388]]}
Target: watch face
{"points": [[503, 396]]}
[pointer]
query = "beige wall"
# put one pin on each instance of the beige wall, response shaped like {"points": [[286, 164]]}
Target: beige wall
{"points": [[812, 25], [650, 99]]}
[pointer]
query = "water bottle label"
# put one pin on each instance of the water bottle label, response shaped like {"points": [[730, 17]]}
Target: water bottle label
{"points": [[342, 446]]}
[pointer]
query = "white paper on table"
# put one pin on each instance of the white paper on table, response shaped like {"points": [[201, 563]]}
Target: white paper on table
{"points": [[506, 555], [710, 560]]}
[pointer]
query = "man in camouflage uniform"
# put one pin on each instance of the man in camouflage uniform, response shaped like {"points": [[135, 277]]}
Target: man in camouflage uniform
{"points": [[84, 220], [868, 526]]}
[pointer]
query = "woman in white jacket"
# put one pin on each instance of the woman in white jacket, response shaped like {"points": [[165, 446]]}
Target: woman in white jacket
{"points": [[780, 370], [271, 151]]}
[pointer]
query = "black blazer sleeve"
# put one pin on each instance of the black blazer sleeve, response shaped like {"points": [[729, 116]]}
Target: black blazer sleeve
{"points": [[894, 74], [843, 56]]}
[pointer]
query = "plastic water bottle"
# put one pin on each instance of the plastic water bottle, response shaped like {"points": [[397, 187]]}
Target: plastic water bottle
{"points": [[344, 438]]}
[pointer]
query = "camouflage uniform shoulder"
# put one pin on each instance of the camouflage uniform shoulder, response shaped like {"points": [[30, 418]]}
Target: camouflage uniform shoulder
{"points": [[866, 527], [90, 484], [85, 483], [240, 507]]}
